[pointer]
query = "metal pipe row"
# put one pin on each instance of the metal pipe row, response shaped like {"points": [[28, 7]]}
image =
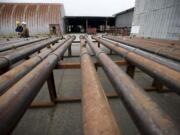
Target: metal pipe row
{"points": [[167, 76], [159, 59], [14, 57], [17, 99], [147, 115], [97, 115], [147, 41], [166, 51], [164, 41], [12, 76], [19, 44]]}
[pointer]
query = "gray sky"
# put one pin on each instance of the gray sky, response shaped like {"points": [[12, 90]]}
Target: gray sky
{"points": [[87, 7]]}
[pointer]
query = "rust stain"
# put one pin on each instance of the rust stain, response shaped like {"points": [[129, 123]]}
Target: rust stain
{"points": [[38, 16]]}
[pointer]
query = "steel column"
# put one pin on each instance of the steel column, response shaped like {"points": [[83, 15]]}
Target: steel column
{"points": [[52, 88], [130, 70], [69, 51]]}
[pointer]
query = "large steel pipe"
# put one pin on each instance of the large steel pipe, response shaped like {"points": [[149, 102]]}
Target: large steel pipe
{"points": [[166, 51], [97, 115], [144, 111], [12, 58], [16, 45], [15, 74], [164, 61], [167, 76], [10, 41], [17, 99]]}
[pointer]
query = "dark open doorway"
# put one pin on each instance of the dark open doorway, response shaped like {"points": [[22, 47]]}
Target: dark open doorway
{"points": [[54, 29], [83, 24]]}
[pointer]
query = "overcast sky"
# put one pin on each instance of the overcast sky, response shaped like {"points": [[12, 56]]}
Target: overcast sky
{"points": [[87, 7]]}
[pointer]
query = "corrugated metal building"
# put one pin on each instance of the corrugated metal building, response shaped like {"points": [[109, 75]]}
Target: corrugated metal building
{"points": [[39, 17], [124, 18], [157, 19]]}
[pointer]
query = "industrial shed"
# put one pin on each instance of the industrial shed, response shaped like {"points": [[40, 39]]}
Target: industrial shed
{"points": [[124, 18], [40, 18], [157, 19]]}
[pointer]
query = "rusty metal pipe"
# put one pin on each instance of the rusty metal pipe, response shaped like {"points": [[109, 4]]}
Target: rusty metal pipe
{"points": [[165, 75], [12, 58], [147, 115], [161, 60], [12, 76], [97, 115], [16, 45], [12, 41], [166, 51], [17, 99]]}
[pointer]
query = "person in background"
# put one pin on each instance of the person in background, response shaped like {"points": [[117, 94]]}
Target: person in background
{"points": [[19, 27], [25, 32]]}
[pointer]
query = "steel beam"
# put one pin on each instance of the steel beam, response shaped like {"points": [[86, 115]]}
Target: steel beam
{"points": [[76, 65]]}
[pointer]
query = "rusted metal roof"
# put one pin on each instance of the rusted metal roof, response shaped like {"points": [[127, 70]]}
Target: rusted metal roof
{"points": [[38, 16]]}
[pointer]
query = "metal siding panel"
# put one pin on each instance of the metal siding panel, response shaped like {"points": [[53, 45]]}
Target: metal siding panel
{"points": [[158, 18], [124, 20], [6, 19], [30, 17], [37, 16]]}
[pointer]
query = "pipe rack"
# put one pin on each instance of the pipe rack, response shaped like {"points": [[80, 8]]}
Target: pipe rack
{"points": [[148, 117], [165, 51], [97, 115], [27, 88], [12, 58], [167, 76], [12, 76], [19, 44]]}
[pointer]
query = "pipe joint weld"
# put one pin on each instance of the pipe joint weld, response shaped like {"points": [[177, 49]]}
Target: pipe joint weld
{"points": [[4, 57]]}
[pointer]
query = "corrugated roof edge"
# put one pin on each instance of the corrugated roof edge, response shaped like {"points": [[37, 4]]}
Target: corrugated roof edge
{"points": [[122, 12], [61, 4]]}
